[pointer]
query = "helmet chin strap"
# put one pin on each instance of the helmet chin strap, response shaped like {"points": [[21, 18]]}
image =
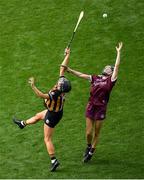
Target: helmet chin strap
{"points": [[104, 74]]}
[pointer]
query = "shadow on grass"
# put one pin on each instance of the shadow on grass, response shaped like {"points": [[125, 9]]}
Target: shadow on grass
{"points": [[114, 168], [116, 162]]}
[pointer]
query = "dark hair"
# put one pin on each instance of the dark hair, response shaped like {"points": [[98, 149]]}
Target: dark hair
{"points": [[112, 67]]}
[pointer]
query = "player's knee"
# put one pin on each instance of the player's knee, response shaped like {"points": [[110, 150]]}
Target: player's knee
{"points": [[47, 139], [38, 115]]}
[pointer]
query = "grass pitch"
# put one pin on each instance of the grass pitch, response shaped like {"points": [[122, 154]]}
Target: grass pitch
{"points": [[33, 35]]}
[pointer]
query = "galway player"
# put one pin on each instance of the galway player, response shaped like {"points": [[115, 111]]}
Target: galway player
{"points": [[54, 102], [101, 87]]}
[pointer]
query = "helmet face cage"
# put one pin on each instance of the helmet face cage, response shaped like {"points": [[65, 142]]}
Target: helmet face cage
{"points": [[65, 85], [61, 83]]}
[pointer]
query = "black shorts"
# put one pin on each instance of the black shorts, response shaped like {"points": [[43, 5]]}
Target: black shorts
{"points": [[52, 118]]}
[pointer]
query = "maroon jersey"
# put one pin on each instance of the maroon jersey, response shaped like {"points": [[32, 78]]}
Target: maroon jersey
{"points": [[101, 87]]}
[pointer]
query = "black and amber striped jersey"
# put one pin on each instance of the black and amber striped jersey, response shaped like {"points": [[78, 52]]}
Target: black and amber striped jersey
{"points": [[55, 102]]}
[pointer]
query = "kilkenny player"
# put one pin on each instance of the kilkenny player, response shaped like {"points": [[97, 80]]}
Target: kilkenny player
{"points": [[54, 102], [101, 87]]}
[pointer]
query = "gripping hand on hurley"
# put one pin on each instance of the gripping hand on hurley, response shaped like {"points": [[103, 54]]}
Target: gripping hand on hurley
{"points": [[31, 81]]}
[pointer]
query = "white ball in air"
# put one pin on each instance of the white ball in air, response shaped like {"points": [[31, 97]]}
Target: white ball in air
{"points": [[104, 15]]}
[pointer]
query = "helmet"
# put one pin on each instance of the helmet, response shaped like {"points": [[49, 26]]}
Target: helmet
{"points": [[65, 85]]}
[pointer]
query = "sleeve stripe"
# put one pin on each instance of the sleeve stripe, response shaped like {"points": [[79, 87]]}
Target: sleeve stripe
{"points": [[90, 78]]}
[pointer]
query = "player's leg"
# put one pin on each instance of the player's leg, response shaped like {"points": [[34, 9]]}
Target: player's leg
{"points": [[89, 127], [100, 114], [96, 132], [38, 116], [98, 126], [89, 130], [32, 120], [48, 132], [65, 62]]}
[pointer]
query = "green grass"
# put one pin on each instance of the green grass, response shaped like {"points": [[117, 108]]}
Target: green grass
{"points": [[33, 35]]}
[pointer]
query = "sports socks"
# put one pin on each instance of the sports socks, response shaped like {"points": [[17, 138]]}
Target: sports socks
{"points": [[91, 151], [89, 146], [23, 123], [53, 159]]}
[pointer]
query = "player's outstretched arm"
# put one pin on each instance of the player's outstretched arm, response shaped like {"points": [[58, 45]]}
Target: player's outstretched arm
{"points": [[79, 74], [31, 81], [117, 63], [65, 62]]}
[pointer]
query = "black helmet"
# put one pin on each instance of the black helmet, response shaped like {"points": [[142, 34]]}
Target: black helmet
{"points": [[65, 84]]}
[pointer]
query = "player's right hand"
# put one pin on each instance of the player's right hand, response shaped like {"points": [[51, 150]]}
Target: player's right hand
{"points": [[67, 51], [119, 47], [31, 81], [68, 69]]}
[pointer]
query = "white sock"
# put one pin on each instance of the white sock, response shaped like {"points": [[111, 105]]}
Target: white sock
{"points": [[90, 153], [53, 160], [23, 123]]}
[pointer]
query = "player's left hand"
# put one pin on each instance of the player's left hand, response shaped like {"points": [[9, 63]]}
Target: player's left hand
{"points": [[67, 51], [31, 81], [65, 67], [119, 47], [68, 69]]}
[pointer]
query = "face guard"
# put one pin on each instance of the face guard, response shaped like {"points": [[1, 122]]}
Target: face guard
{"points": [[65, 85]]}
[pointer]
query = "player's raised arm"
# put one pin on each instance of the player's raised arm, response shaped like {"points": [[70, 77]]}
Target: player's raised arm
{"points": [[31, 81], [117, 63], [79, 74], [65, 62]]}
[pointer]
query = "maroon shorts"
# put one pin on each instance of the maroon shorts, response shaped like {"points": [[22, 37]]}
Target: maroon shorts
{"points": [[95, 112]]}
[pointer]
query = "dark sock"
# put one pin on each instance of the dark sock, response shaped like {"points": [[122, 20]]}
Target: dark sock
{"points": [[92, 150], [89, 145], [52, 158]]}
